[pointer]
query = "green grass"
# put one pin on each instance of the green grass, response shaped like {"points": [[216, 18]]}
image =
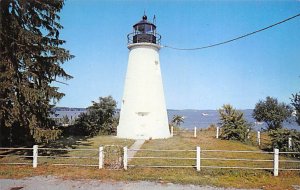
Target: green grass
{"points": [[63, 156], [205, 139]]}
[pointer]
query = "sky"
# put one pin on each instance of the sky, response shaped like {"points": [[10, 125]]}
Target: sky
{"points": [[239, 73]]}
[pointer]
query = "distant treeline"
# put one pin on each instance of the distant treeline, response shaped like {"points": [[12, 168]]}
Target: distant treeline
{"points": [[68, 109]]}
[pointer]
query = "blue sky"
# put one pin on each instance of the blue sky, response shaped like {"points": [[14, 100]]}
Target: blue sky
{"points": [[240, 73]]}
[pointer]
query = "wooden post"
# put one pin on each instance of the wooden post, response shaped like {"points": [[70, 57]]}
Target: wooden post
{"points": [[35, 156], [258, 138], [218, 130], [172, 131], [276, 161], [125, 158], [101, 157], [195, 132], [290, 143], [198, 158]]}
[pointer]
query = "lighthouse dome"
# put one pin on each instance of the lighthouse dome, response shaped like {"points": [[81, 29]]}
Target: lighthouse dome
{"points": [[144, 32]]}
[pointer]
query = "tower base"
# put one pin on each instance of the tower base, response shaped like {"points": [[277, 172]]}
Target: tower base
{"points": [[143, 112]]}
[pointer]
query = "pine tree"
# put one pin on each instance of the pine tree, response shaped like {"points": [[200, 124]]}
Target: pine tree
{"points": [[234, 126], [296, 104], [30, 61]]}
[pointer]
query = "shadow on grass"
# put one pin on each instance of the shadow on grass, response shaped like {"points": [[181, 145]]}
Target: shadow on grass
{"points": [[68, 142]]}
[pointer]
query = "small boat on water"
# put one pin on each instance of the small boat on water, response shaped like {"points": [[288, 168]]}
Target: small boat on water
{"points": [[205, 114]]}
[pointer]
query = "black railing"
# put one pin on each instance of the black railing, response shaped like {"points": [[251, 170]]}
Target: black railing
{"points": [[143, 38]]}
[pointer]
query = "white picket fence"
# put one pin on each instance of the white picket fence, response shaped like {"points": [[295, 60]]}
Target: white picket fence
{"points": [[199, 157]]}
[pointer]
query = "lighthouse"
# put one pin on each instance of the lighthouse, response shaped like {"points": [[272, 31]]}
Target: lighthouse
{"points": [[143, 112]]}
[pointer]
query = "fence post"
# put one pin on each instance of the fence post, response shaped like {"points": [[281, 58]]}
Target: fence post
{"points": [[172, 131], [35, 156], [101, 157], [218, 131], [276, 161], [195, 132], [290, 143], [258, 138], [125, 158], [198, 158], [248, 133]]}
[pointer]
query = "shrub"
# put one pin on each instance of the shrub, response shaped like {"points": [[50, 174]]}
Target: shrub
{"points": [[279, 139], [234, 126], [272, 112], [99, 119], [212, 127]]}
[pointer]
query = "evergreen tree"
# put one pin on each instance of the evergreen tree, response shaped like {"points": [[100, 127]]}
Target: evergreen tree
{"points": [[30, 61], [234, 126], [296, 104], [280, 138], [65, 120]]}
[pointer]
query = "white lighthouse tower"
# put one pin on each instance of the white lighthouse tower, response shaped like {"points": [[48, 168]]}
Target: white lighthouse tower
{"points": [[143, 111]]}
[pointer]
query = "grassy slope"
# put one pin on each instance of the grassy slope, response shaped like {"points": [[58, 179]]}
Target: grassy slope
{"points": [[205, 139], [217, 177]]}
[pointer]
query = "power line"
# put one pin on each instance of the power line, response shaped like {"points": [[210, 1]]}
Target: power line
{"points": [[237, 38], [60, 82]]}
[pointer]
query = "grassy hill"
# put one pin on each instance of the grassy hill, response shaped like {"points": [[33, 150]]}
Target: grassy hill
{"points": [[239, 178]]}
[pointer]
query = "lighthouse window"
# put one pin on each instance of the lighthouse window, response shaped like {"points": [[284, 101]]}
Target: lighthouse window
{"points": [[142, 113], [148, 28], [141, 28], [144, 28]]}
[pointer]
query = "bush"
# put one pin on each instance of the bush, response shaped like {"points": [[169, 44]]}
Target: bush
{"points": [[234, 126], [272, 112], [279, 139], [99, 119], [212, 127]]}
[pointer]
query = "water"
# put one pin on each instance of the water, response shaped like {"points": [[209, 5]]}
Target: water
{"points": [[203, 118], [192, 118]]}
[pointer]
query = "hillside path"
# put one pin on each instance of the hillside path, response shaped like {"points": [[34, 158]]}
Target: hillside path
{"points": [[136, 145]]}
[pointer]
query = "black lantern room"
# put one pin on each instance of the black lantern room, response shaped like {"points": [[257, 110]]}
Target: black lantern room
{"points": [[144, 32]]}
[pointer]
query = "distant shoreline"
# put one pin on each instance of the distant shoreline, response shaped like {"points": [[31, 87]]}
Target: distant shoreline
{"points": [[193, 117]]}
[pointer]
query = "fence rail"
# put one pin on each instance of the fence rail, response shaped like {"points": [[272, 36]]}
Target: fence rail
{"points": [[269, 162], [185, 131], [168, 158], [156, 150], [70, 149], [259, 138], [192, 158], [10, 156]]}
